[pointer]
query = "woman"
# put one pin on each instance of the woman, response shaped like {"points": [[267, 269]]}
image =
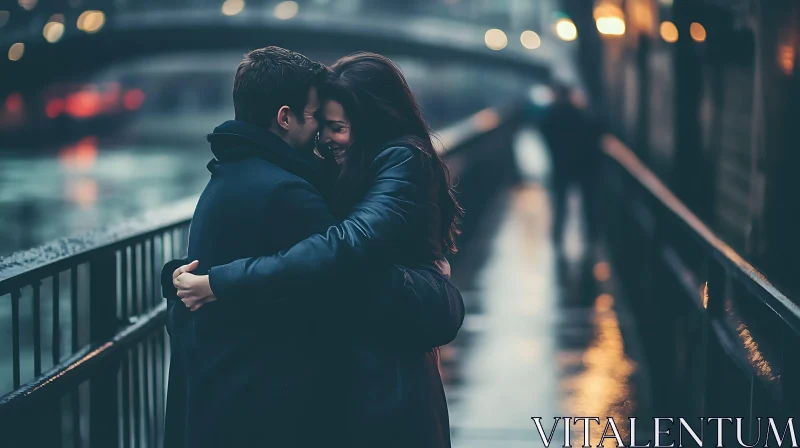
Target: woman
{"points": [[402, 210]]}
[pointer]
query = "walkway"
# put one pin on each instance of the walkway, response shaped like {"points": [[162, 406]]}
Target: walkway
{"points": [[531, 345]]}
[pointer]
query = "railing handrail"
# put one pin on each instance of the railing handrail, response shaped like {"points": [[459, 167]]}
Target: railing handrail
{"points": [[462, 132], [780, 303], [71, 371], [20, 267]]}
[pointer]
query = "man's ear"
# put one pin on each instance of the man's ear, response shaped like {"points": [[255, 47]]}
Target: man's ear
{"points": [[283, 117]]}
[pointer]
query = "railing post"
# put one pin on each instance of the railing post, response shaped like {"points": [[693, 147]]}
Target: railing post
{"points": [[791, 373], [661, 324], [103, 424], [715, 301]]}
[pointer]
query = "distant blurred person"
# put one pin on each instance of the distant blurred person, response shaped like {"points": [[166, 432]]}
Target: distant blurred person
{"points": [[350, 318], [573, 140]]}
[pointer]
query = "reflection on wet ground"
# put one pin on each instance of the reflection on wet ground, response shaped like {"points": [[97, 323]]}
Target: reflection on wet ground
{"points": [[535, 342]]}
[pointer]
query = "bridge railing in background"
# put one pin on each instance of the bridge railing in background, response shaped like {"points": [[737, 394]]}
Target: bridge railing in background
{"points": [[89, 347], [720, 339]]}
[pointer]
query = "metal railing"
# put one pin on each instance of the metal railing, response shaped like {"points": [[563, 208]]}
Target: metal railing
{"points": [[89, 351], [721, 340], [89, 348]]}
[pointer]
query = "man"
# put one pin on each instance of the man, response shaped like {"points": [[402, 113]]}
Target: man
{"points": [[252, 372], [244, 370], [573, 140]]}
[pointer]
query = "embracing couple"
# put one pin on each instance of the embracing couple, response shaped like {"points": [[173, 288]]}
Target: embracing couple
{"points": [[316, 289]]}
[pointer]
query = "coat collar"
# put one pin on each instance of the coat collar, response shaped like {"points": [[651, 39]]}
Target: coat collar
{"points": [[236, 140]]}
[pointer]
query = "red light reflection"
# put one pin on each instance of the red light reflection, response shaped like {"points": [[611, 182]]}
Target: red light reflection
{"points": [[133, 99], [83, 192], [54, 107], [83, 104], [81, 156], [14, 103]]}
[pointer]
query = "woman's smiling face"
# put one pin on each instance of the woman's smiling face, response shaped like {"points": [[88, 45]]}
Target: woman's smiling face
{"points": [[335, 133]]}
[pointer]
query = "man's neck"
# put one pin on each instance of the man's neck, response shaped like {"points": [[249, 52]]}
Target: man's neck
{"points": [[277, 130]]}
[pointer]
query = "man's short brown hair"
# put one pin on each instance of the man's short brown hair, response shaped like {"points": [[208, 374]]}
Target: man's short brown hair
{"points": [[270, 78]]}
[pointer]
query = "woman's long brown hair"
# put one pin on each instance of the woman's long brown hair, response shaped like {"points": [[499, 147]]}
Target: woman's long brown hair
{"points": [[376, 97]]}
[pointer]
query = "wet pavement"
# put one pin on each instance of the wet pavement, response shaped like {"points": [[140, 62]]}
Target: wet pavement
{"points": [[534, 342]]}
